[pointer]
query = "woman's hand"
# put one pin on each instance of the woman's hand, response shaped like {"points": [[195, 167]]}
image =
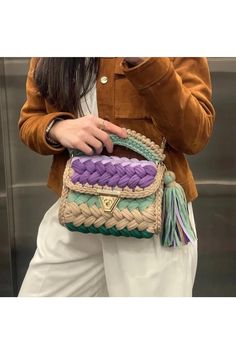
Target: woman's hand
{"points": [[86, 133]]}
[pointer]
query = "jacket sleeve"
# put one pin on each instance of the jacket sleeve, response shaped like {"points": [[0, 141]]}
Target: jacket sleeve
{"points": [[178, 96], [34, 118]]}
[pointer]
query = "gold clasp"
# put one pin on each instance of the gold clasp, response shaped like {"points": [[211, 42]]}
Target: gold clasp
{"points": [[108, 199]]}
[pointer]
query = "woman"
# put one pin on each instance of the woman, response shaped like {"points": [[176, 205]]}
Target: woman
{"points": [[158, 97]]}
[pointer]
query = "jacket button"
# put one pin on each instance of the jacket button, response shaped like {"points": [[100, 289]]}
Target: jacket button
{"points": [[104, 79]]}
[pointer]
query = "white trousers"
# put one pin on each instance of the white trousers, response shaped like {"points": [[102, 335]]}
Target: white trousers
{"points": [[72, 264]]}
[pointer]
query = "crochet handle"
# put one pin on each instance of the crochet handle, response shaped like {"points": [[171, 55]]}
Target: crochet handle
{"points": [[136, 142]]}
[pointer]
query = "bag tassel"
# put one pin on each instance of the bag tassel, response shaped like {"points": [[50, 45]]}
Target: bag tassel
{"points": [[176, 226]]}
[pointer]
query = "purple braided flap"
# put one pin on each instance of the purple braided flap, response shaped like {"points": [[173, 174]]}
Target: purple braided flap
{"points": [[113, 171]]}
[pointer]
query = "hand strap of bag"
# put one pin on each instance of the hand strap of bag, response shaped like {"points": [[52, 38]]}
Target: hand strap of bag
{"points": [[138, 143]]}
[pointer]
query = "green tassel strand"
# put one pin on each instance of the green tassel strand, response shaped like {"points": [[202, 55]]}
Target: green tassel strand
{"points": [[176, 227]]}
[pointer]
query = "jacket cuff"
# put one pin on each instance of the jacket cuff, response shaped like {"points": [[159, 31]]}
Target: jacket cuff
{"points": [[148, 72], [45, 124]]}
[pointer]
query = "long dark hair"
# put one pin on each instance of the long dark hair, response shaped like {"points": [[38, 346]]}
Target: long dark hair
{"points": [[64, 81]]}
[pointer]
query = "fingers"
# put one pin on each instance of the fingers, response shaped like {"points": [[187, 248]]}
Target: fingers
{"points": [[104, 138], [90, 134], [112, 128], [87, 150], [96, 144]]}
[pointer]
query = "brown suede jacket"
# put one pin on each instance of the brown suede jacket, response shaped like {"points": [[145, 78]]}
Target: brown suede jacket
{"points": [[161, 97]]}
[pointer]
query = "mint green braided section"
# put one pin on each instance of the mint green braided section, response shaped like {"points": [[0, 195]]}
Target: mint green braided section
{"points": [[80, 198], [112, 231], [132, 144], [129, 203], [140, 203]]}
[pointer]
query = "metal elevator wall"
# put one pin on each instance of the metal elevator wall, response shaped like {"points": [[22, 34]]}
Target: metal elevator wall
{"points": [[24, 197]]}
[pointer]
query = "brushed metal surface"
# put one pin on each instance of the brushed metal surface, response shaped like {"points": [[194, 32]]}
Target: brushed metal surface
{"points": [[6, 286], [2, 170], [6, 249], [215, 171], [218, 160], [216, 224], [26, 166], [222, 64]]}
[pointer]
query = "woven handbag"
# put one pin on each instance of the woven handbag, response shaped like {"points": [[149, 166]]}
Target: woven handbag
{"points": [[122, 196]]}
